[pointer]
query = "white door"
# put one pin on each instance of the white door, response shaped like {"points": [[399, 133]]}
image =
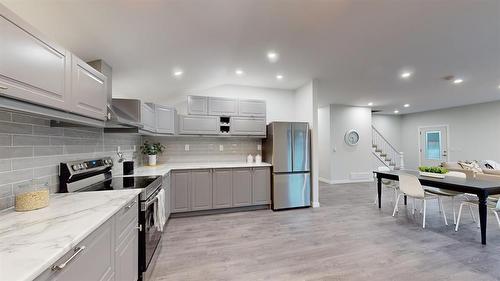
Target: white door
{"points": [[433, 145]]}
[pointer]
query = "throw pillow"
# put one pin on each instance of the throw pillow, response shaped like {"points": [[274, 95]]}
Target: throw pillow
{"points": [[470, 165]]}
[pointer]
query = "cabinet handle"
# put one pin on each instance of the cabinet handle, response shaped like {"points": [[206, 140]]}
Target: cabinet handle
{"points": [[3, 88], [131, 204], [139, 227], [77, 250]]}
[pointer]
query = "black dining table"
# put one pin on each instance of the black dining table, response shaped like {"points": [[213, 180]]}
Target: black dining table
{"points": [[478, 187]]}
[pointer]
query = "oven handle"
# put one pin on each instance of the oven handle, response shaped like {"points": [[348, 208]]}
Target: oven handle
{"points": [[145, 205]]}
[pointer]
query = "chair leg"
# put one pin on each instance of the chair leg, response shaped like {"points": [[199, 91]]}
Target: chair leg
{"points": [[396, 206], [459, 215], [425, 209], [472, 214], [441, 210], [413, 206], [498, 218], [453, 207]]}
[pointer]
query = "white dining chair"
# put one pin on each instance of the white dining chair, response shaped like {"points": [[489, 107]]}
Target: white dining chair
{"points": [[410, 186], [440, 192], [390, 184], [492, 203]]}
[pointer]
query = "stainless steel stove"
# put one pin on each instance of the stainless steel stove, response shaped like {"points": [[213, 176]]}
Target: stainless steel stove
{"points": [[96, 175]]}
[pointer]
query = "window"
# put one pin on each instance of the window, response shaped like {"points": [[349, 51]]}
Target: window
{"points": [[433, 145]]}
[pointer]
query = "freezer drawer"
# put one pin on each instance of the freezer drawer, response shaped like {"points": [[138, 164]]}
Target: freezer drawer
{"points": [[291, 190]]}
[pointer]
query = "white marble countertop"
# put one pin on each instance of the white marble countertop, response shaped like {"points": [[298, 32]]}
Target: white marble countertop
{"points": [[163, 169], [31, 242]]}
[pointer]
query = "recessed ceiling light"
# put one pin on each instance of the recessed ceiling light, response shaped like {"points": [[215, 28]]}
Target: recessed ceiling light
{"points": [[273, 56], [396, 111], [239, 72], [458, 81], [177, 72], [370, 104], [498, 86], [406, 105], [279, 77], [406, 75]]}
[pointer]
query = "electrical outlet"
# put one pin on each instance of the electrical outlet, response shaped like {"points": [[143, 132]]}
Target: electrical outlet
{"points": [[186, 147], [221, 147], [259, 147]]}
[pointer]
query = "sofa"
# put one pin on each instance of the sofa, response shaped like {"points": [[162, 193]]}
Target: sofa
{"points": [[474, 170]]}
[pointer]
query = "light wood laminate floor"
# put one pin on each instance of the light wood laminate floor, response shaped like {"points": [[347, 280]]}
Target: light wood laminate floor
{"points": [[348, 238]]}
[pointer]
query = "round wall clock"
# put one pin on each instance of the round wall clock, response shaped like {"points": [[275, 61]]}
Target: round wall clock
{"points": [[351, 137]]}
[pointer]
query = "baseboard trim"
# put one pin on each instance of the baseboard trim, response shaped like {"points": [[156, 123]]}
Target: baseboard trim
{"points": [[325, 180], [350, 181]]}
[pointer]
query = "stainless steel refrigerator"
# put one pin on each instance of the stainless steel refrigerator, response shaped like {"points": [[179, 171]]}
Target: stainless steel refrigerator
{"points": [[287, 148]]}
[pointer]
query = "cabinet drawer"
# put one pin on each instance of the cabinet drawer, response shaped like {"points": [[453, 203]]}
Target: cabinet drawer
{"points": [[93, 258], [127, 215]]}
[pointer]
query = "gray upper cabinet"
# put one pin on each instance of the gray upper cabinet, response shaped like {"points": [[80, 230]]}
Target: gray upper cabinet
{"points": [[242, 187], [248, 126], [180, 191], [198, 125], [222, 106], [222, 188], [148, 117], [201, 189], [165, 119], [252, 108], [89, 90], [261, 186], [197, 105], [31, 68]]}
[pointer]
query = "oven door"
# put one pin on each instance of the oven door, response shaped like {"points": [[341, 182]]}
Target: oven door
{"points": [[150, 237]]}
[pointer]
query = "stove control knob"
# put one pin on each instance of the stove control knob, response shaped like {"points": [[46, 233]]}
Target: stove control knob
{"points": [[75, 167], [85, 165]]}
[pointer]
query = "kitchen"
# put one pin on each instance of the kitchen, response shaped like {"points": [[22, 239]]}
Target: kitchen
{"points": [[63, 131]]}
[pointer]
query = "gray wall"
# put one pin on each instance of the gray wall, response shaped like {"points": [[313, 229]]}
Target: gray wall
{"points": [[31, 150], [474, 132], [324, 142], [206, 149], [390, 127]]}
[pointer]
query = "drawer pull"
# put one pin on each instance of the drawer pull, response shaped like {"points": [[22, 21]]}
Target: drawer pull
{"points": [[131, 204], [139, 227], [77, 250]]}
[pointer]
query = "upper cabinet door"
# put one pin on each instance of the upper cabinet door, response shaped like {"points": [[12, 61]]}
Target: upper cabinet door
{"points": [[248, 126], [31, 68], [197, 105], [165, 119], [89, 90], [148, 117], [222, 106], [252, 108], [198, 125]]}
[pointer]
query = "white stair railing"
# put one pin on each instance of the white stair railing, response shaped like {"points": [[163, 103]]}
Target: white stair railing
{"points": [[385, 151]]}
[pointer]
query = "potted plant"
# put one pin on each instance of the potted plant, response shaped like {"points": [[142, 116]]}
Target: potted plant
{"points": [[151, 150], [435, 172]]}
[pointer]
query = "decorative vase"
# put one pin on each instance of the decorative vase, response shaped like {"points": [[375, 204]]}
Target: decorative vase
{"points": [[152, 160]]}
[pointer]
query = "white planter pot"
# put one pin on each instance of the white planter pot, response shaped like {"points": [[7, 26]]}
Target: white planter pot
{"points": [[152, 160], [432, 175]]}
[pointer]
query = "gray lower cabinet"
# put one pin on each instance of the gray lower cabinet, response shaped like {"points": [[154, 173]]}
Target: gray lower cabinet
{"points": [[261, 186], [180, 191], [108, 253], [168, 195], [242, 187], [201, 190], [248, 126], [222, 188], [42, 79], [198, 125], [222, 106], [197, 105], [252, 108]]}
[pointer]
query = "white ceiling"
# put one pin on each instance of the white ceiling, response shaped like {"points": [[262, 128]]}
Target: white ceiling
{"points": [[355, 49]]}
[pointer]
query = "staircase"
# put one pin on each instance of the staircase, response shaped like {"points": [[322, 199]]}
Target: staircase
{"points": [[385, 152]]}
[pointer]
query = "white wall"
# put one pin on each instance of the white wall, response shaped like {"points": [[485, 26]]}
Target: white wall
{"points": [[351, 163], [303, 108], [390, 127], [280, 103], [324, 142], [474, 132]]}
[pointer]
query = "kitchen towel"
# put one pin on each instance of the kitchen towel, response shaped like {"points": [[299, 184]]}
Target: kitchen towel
{"points": [[159, 208]]}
